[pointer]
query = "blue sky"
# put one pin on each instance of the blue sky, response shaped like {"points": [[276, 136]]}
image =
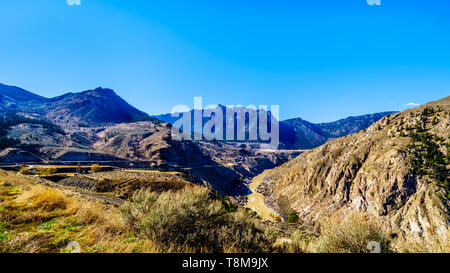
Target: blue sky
{"points": [[320, 60]]}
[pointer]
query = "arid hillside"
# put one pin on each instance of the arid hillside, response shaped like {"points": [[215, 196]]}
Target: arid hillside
{"points": [[217, 164], [145, 144], [37, 216], [396, 171]]}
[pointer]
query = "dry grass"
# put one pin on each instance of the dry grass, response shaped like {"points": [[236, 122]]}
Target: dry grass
{"points": [[352, 234], [191, 220], [47, 199], [436, 244], [298, 242], [35, 218]]}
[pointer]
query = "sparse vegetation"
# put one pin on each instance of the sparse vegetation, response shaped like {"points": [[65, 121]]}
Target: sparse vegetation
{"points": [[25, 171], [36, 218], [47, 200], [47, 171], [38, 171], [191, 221], [299, 241], [436, 244], [351, 235], [10, 118]]}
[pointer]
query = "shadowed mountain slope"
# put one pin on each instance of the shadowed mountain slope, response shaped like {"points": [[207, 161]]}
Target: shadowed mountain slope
{"points": [[90, 108], [297, 133]]}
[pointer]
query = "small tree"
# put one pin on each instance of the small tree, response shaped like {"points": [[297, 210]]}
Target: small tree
{"points": [[292, 217], [96, 168]]}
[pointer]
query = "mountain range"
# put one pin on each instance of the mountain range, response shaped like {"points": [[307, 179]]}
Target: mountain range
{"points": [[90, 108], [296, 133], [98, 125], [102, 107]]}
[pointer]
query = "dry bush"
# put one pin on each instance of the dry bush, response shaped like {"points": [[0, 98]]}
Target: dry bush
{"points": [[190, 220], [88, 213], [351, 235], [298, 242], [47, 199], [432, 244], [239, 234], [9, 179]]}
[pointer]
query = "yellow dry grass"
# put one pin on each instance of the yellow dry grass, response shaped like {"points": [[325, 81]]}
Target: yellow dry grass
{"points": [[436, 244], [36, 218]]}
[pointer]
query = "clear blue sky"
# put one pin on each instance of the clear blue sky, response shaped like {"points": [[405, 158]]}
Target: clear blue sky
{"points": [[320, 59]]}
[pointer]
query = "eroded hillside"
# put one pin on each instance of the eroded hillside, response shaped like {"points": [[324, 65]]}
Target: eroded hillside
{"points": [[395, 170], [219, 165]]}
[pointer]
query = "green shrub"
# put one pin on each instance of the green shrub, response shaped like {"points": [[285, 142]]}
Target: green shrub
{"points": [[292, 217]]}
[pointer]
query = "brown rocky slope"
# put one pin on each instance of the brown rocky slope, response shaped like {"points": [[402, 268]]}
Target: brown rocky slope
{"points": [[396, 170]]}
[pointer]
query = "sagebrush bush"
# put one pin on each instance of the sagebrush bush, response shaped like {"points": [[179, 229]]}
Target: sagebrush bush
{"points": [[352, 235], [191, 220], [297, 242]]}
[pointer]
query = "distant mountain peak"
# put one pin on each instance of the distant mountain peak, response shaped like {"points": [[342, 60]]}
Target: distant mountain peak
{"points": [[95, 107], [19, 94], [297, 133], [103, 90]]}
